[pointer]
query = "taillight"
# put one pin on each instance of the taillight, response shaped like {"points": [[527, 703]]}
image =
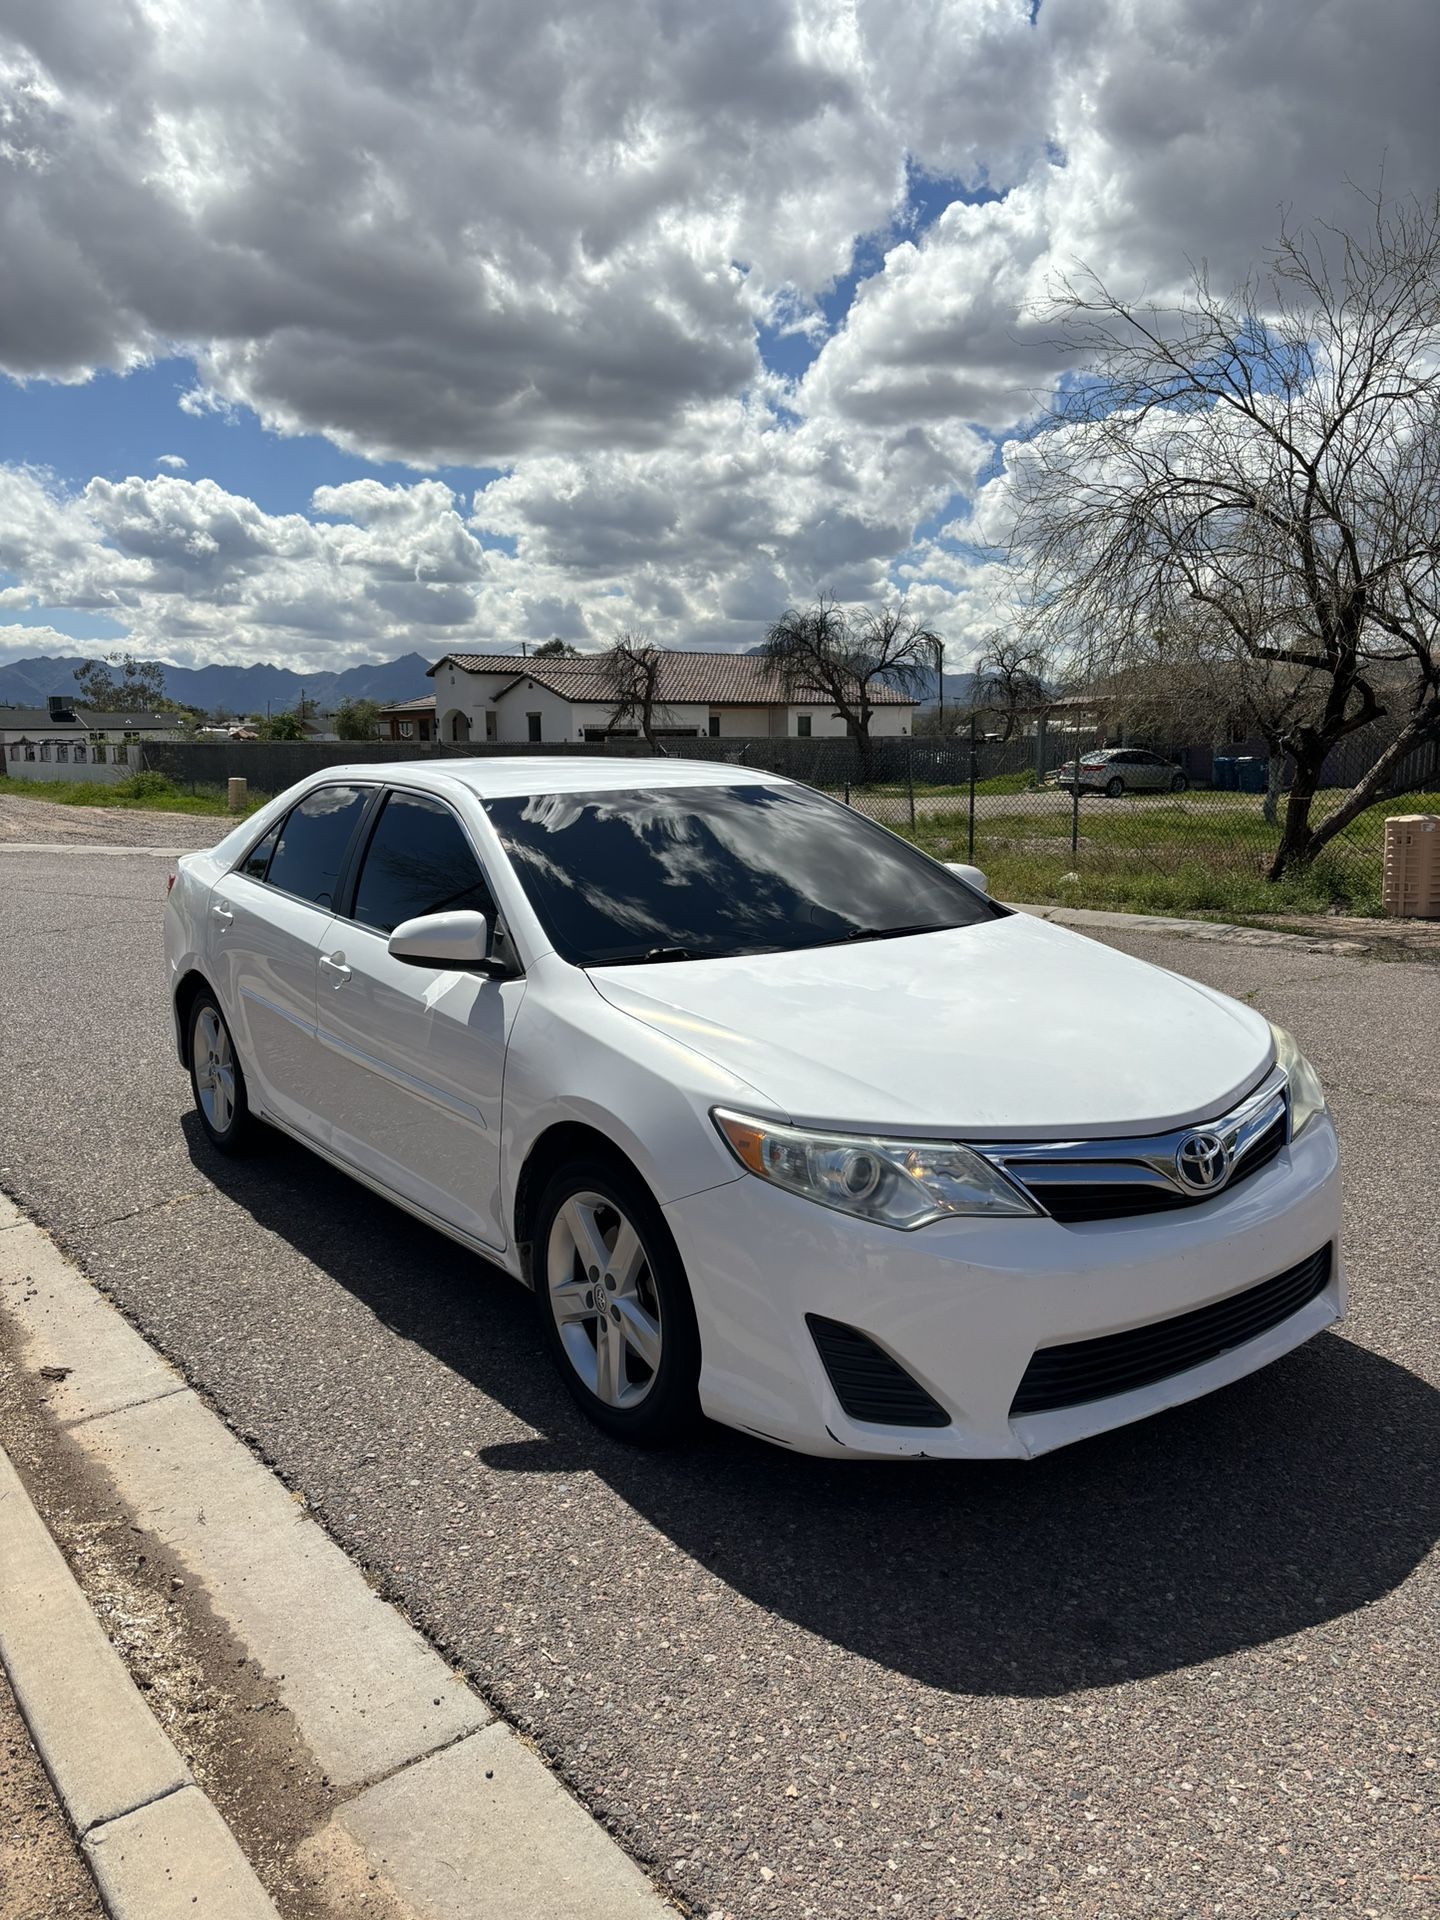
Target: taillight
{"points": [[169, 883]]}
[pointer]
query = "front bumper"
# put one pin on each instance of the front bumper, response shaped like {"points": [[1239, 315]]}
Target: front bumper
{"points": [[962, 1305]]}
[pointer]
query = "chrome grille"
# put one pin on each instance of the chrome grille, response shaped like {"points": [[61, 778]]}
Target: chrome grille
{"points": [[1079, 1180]]}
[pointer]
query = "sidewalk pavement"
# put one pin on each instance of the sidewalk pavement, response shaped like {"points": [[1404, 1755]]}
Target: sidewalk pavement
{"points": [[440, 1803]]}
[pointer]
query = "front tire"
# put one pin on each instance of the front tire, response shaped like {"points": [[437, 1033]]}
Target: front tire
{"points": [[614, 1303], [1179, 784], [217, 1078]]}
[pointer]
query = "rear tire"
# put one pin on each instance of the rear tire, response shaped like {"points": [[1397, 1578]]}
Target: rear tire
{"points": [[614, 1304], [217, 1078], [1114, 788]]}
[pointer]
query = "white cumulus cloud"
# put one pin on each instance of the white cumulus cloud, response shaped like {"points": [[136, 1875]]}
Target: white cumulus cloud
{"points": [[542, 238]]}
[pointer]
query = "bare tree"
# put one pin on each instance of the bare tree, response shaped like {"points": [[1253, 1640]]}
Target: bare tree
{"points": [[1271, 459], [632, 670], [847, 658], [1011, 677]]}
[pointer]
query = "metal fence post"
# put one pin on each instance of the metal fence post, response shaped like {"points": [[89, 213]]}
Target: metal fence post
{"points": [[970, 839], [910, 778], [1075, 812]]}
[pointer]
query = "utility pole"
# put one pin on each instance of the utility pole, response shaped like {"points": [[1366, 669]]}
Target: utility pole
{"points": [[940, 684]]}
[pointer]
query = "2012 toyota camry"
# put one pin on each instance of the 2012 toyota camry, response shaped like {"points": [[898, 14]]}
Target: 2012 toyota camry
{"points": [[780, 1119]]}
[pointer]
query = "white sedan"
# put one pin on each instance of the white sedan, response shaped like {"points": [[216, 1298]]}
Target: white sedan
{"points": [[781, 1120]]}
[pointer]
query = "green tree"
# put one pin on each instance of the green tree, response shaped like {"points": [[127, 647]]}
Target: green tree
{"points": [[556, 649], [357, 719], [280, 726], [122, 684]]}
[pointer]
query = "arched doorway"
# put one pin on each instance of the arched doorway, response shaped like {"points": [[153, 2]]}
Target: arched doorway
{"points": [[455, 727]]}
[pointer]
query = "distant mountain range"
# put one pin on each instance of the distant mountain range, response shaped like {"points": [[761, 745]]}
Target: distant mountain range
{"points": [[241, 690], [232, 690]]}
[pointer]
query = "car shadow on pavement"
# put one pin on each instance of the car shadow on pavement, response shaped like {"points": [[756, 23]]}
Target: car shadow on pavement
{"points": [[1296, 1496]]}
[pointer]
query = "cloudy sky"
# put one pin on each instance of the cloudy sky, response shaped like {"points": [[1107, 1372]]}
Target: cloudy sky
{"points": [[336, 328]]}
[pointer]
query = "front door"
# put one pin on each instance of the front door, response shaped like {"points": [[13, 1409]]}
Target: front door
{"points": [[414, 1057]]}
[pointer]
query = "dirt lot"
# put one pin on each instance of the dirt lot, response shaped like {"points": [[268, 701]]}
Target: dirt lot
{"points": [[43, 821]]}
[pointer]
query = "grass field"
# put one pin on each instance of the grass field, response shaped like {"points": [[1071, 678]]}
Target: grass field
{"points": [[1166, 858], [144, 792]]}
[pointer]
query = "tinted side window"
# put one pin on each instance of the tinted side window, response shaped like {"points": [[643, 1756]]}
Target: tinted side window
{"points": [[418, 861], [313, 841], [255, 862]]}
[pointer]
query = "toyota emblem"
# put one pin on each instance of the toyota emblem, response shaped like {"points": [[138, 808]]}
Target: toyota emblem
{"points": [[1202, 1162]]}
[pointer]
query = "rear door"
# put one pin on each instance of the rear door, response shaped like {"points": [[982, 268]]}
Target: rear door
{"points": [[1151, 771], [414, 1057], [266, 920]]}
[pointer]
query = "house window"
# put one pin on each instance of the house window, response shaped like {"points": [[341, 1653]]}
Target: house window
{"points": [[79, 752], [492, 724], [714, 726], [44, 749], [407, 729], [802, 725], [99, 753], [424, 729], [532, 726], [29, 751], [62, 750]]}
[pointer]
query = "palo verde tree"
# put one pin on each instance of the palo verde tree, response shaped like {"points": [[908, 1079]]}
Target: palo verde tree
{"points": [[1269, 461], [847, 658]]}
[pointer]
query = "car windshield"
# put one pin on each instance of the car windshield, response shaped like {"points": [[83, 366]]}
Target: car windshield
{"points": [[696, 873]]}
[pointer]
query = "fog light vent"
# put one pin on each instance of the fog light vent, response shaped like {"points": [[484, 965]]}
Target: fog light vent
{"points": [[869, 1385]]}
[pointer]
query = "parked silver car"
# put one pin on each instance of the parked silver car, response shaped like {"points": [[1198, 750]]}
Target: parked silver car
{"points": [[1117, 770]]}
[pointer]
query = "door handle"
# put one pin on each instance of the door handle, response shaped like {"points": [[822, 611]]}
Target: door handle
{"points": [[337, 968], [223, 914]]}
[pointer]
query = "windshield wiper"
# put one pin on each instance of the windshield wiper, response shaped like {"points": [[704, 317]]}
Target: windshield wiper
{"points": [[652, 958], [889, 933]]}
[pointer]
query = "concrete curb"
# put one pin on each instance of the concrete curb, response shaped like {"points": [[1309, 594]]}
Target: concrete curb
{"points": [[1083, 918], [459, 1816], [154, 1842], [91, 846]]}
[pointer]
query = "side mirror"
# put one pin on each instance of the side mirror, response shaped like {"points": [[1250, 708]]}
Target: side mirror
{"points": [[971, 875], [459, 942]]}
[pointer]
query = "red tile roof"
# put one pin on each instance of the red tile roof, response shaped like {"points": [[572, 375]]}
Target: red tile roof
{"points": [[481, 662], [686, 679]]}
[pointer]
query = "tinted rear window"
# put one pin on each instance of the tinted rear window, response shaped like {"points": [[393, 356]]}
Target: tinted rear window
{"points": [[700, 872], [313, 842]]}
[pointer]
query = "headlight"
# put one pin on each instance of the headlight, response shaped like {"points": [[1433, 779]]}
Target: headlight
{"points": [[896, 1183], [1307, 1096]]}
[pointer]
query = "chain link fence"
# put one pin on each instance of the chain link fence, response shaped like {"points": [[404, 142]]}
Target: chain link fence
{"points": [[1173, 829], [1063, 819]]}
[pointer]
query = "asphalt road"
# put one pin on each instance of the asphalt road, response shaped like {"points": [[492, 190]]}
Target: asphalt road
{"points": [[1188, 1669]]}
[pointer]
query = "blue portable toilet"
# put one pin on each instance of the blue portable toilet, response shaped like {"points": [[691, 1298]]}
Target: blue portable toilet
{"points": [[1250, 770], [1223, 772]]}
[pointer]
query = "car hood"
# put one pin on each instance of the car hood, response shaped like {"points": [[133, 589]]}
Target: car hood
{"points": [[1012, 1029]]}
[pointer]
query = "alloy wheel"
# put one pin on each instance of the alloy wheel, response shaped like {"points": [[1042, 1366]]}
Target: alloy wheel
{"points": [[214, 1069], [604, 1300]]}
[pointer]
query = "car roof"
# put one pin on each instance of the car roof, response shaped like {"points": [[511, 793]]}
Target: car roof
{"points": [[492, 776]]}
